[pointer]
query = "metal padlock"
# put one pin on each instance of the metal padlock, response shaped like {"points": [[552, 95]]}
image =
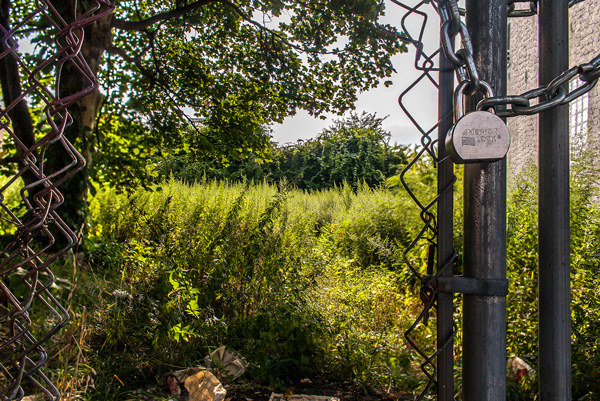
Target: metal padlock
{"points": [[478, 136]]}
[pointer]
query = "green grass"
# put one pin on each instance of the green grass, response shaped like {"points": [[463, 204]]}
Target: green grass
{"points": [[302, 284]]}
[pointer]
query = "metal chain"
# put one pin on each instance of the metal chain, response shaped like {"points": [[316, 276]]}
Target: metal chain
{"points": [[462, 59], [549, 96], [469, 83], [532, 9]]}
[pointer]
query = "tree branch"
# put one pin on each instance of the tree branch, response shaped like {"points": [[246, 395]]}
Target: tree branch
{"points": [[178, 12], [143, 24], [133, 60], [164, 85], [273, 33], [15, 106]]}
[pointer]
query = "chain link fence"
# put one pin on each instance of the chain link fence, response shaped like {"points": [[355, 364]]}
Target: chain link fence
{"points": [[34, 234], [32, 225], [417, 19]]}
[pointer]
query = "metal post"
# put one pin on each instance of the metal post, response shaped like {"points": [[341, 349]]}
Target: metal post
{"points": [[553, 223], [484, 324], [445, 360]]}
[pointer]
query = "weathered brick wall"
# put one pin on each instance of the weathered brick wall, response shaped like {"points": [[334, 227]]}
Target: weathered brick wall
{"points": [[584, 43], [522, 76]]}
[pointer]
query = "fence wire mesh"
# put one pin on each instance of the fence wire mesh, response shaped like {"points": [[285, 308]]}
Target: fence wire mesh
{"points": [[32, 225], [417, 19]]}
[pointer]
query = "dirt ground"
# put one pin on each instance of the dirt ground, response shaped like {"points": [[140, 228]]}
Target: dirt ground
{"points": [[239, 393]]}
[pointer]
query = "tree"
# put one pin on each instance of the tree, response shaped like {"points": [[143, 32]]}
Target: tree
{"points": [[221, 69], [354, 150]]}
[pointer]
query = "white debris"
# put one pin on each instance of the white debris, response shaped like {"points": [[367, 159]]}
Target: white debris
{"points": [[204, 386], [518, 367], [233, 363]]}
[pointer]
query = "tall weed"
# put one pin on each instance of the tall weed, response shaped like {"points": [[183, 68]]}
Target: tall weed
{"points": [[301, 284], [585, 261]]}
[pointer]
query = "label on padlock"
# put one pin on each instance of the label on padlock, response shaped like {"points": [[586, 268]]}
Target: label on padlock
{"points": [[479, 136]]}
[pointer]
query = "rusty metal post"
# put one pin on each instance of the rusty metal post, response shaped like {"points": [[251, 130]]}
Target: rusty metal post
{"points": [[445, 206], [554, 233], [484, 324]]}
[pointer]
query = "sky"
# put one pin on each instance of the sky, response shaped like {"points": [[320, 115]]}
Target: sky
{"points": [[383, 101]]}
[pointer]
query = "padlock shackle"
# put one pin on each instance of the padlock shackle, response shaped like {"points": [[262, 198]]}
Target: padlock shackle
{"points": [[459, 104]]}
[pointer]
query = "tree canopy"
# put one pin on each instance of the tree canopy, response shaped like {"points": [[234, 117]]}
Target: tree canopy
{"points": [[353, 151], [210, 74]]}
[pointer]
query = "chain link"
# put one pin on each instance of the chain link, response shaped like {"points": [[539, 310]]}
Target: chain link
{"points": [[36, 235], [462, 59], [418, 335], [532, 9], [549, 96]]}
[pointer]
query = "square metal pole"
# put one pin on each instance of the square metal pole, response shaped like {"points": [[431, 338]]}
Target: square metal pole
{"points": [[554, 230], [484, 317], [445, 251]]}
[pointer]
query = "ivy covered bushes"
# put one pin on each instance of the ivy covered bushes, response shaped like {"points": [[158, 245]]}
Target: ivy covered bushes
{"points": [[354, 150]]}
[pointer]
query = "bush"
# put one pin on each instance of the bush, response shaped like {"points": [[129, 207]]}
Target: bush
{"points": [[281, 276], [585, 261], [354, 151]]}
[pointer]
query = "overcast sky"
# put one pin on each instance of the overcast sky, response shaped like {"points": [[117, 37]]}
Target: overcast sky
{"points": [[384, 101]]}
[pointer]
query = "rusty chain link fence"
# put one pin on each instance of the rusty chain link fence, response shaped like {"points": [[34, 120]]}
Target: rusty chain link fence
{"points": [[35, 222], [33, 225]]}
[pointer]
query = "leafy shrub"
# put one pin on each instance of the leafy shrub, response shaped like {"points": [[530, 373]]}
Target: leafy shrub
{"points": [[365, 320], [352, 151], [253, 267], [585, 261]]}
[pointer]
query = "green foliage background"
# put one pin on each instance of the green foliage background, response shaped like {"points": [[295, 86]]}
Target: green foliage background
{"points": [[354, 150], [304, 284], [585, 264]]}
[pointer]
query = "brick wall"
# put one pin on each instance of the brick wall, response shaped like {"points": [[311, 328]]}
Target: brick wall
{"points": [[584, 43]]}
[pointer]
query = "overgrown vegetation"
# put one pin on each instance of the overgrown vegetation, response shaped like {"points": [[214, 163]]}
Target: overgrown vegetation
{"points": [[174, 273], [585, 282], [175, 75], [302, 284], [354, 150]]}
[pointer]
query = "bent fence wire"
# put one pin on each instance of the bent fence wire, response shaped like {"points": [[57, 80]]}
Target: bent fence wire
{"points": [[413, 25], [33, 224]]}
